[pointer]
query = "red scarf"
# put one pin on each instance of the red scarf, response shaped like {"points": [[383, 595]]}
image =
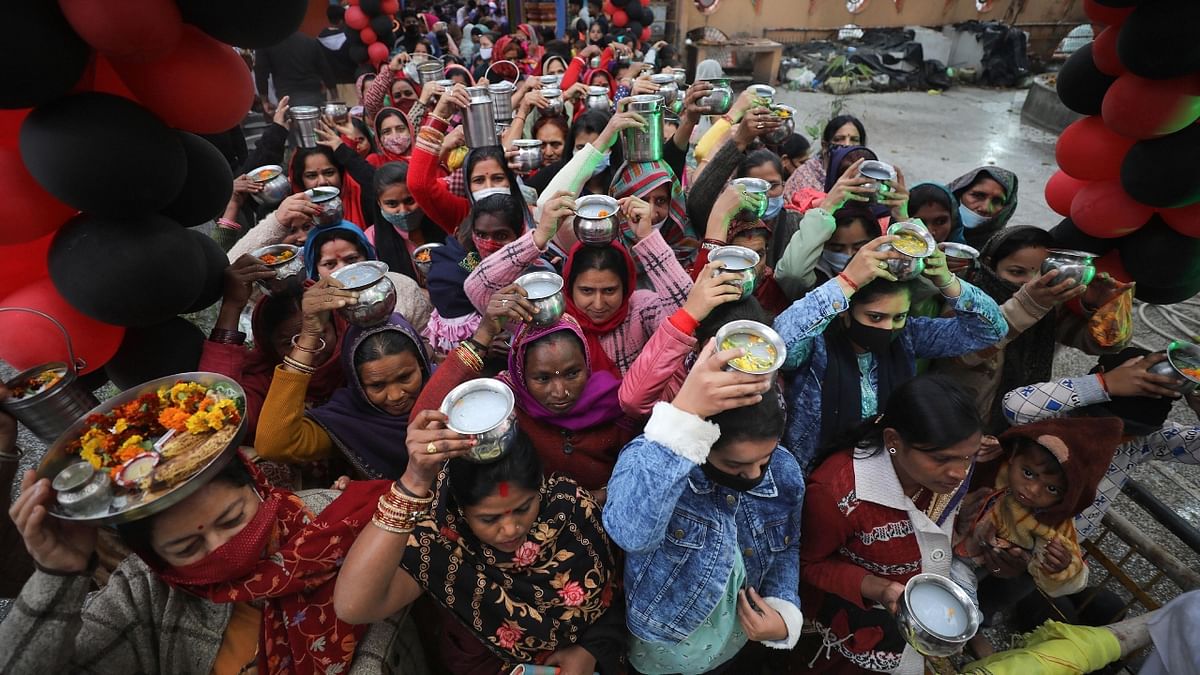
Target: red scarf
{"points": [[592, 330], [294, 583]]}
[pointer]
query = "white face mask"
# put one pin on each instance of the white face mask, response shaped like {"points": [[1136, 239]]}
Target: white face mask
{"points": [[479, 195], [659, 224], [970, 219], [836, 261], [485, 53]]}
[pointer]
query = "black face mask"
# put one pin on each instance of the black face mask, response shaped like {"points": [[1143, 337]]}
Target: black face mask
{"points": [[870, 338], [731, 481]]}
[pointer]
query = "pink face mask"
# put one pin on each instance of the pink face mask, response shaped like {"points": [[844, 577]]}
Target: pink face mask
{"points": [[397, 144]]}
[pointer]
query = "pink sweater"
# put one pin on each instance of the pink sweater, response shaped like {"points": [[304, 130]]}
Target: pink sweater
{"points": [[658, 373], [647, 309]]}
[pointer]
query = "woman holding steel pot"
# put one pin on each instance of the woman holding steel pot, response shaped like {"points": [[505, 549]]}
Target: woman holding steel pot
{"points": [[517, 562], [566, 406]]}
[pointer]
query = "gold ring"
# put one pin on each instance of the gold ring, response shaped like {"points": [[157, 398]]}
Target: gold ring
{"points": [[431, 448], [761, 125]]}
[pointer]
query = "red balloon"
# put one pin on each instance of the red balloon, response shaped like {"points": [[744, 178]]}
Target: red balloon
{"points": [[390, 6], [378, 53], [1109, 16], [31, 340], [24, 263], [10, 124], [27, 212], [620, 18], [101, 76], [202, 86], [1061, 190], [646, 34], [1104, 52], [1140, 108], [368, 36], [132, 29], [608, 8], [1184, 220], [1103, 209], [1111, 263], [1088, 150], [645, 3], [356, 18]]}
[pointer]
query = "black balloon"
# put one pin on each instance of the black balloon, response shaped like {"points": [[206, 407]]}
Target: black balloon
{"points": [[620, 4], [352, 36], [358, 53], [1067, 235], [1081, 85], [1159, 40], [130, 272], [208, 186], [103, 154], [635, 29], [1164, 172], [147, 353], [647, 17], [371, 7], [1160, 257], [381, 24], [215, 262], [260, 23], [1168, 295], [43, 57]]}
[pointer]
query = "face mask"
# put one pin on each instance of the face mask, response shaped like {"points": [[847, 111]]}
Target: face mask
{"points": [[970, 219], [836, 261], [485, 53], [731, 481], [397, 144], [480, 195], [235, 558], [774, 206], [400, 221], [870, 338], [604, 163], [659, 224], [486, 247]]}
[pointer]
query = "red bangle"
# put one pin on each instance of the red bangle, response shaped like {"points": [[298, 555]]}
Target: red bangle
{"points": [[684, 321], [229, 224], [1103, 384], [848, 280]]}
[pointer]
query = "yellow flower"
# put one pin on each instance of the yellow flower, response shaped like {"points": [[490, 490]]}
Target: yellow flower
{"points": [[132, 440], [120, 426], [196, 424], [89, 455]]}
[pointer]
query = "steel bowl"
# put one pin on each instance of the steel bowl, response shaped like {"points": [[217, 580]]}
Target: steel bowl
{"points": [[275, 184], [788, 114], [123, 505], [667, 88], [545, 291], [936, 615], [720, 99], [328, 199], [739, 260], [597, 99], [550, 81], [917, 245], [680, 75], [591, 228], [553, 96], [961, 252], [881, 173], [529, 154], [484, 409], [764, 95], [753, 186], [1070, 264], [376, 293], [423, 266], [337, 111], [1180, 355], [81, 491], [760, 340], [290, 274]]}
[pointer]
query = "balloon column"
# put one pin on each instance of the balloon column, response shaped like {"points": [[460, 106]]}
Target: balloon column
{"points": [[1129, 178], [104, 171], [632, 15], [371, 29]]}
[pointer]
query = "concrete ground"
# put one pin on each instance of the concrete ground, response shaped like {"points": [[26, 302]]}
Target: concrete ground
{"points": [[939, 137]]}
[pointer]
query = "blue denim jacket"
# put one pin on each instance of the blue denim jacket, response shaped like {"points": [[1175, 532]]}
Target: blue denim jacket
{"points": [[681, 531], [977, 323]]}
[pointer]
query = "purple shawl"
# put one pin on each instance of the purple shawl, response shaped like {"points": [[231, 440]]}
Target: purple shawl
{"points": [[597, 404], [832, 174], [370, 438]]}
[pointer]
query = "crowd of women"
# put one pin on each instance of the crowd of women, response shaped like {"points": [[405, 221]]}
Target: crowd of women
{"points": [[658, 512]]}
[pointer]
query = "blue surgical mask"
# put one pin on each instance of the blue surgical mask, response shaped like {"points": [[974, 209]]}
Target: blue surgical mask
{"points": [[970, 219], [605, 161], [399, 220], [836, 261], [485, 53], [774, 206]]}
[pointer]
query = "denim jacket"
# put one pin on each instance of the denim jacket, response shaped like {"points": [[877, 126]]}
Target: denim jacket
{"points": [[977, 323], [681, 530]]}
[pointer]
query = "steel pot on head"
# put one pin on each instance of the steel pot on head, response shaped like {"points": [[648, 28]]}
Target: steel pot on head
{"points": [[644, 145], [596, 220], [376, 293]]}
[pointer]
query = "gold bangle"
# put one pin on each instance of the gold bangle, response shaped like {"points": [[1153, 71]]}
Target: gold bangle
{"points": [[306, 350], [296, 365], [388, 527]]}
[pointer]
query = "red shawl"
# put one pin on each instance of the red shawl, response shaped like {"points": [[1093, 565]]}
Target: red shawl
{"points": [[591, 330], [294, 582], [350, 192]]}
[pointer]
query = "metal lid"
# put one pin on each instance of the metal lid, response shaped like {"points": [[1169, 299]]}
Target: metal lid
{"points": [[752, 185], [73, 477], [445, 84], [663, 78], [501, 86], [361, 274], [322, 194], [552, 92], [527, 143], [304, 112], [645, 103], [597, 91], [873, 168]]}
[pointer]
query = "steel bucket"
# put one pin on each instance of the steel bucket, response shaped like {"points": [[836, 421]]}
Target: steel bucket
{"points": [[479, 119], [644, 145], [51, 412]]}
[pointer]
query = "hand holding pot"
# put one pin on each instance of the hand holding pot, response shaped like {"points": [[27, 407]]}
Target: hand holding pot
{"points": [[240, 278], [638, 212], [616, 124], [692, 109], [319, 300], [897, 196], [1046, 292], [758, 122], [560, 206], [281, 113], [869, 264], [709, 389], [453, 101], [54, 544], [1133, 378], [296, 209], [849, 187], [427, 432], [937, 272], [508, 303], [712, 290], [1103, 290], [327, 137]]}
